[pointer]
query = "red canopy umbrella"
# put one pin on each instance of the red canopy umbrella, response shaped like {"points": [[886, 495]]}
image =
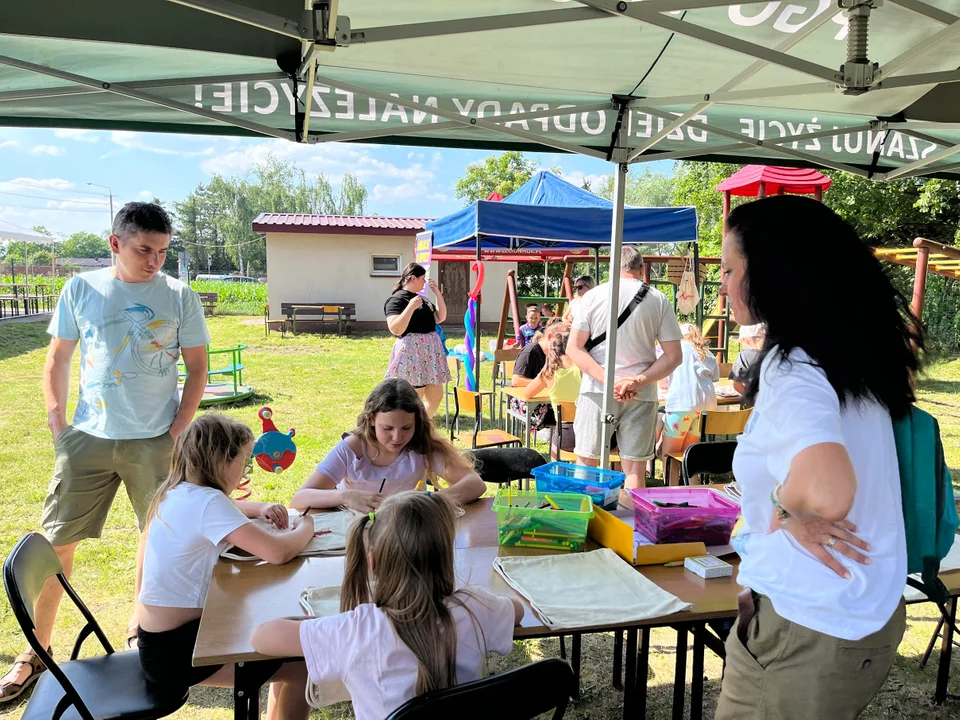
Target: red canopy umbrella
{"points": [[494, 196], [763, 180]]}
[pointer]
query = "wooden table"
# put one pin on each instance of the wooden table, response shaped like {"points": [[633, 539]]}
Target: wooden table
{"points": [[244, 594], [530, 404]]}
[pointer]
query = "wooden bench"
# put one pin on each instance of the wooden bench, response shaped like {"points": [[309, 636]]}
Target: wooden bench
{"points": [[323, 312], [209, 301]]}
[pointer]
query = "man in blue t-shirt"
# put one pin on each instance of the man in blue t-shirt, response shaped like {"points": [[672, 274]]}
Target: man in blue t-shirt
{"points": [[132, 323]]}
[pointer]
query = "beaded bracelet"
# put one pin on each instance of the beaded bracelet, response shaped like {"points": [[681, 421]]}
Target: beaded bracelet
{"points": [[778, 510]]}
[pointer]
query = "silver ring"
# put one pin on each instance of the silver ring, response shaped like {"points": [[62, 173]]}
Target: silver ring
{"points": [[832, 541]]}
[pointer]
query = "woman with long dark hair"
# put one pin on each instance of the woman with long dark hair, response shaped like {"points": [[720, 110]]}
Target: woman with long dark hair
{"points": [[823, 549], [418, 354]]}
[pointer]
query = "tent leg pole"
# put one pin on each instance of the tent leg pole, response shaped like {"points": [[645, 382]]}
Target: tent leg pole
{"points": [[722, 328], [608, 421], [596, 266]]}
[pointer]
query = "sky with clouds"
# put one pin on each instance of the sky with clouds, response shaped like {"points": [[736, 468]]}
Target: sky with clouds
{"points": [[45, 174]]}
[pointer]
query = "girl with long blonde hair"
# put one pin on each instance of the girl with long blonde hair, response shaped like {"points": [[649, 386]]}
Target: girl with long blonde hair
{"points": [[394, 447], [561, 379], [404, 627], [690, 391], [191, 520]]}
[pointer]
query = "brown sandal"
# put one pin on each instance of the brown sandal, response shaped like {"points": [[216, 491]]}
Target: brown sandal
{"points": [[11, 691]]}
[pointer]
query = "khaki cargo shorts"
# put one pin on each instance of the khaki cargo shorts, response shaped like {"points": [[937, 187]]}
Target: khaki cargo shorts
{"points": [[87, 472], [636, 428]]}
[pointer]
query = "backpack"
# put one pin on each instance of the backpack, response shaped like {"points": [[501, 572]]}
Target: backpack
{"points": [[929, 507]]}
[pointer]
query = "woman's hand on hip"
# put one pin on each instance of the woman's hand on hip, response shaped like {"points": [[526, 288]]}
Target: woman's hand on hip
{"points": [[819, 537]]}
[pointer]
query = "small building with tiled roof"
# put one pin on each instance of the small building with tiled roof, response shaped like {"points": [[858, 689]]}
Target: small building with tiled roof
{"points": [[358, 259]]}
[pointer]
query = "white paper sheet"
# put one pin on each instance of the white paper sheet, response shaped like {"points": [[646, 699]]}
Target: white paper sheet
{"points": [[332, 543]]}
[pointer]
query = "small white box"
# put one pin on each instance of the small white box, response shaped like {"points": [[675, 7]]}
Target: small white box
{"points": [[707, 566]]}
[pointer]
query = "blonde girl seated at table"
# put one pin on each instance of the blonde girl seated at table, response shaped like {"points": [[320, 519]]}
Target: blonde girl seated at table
{"points": [[404, 627], [561, 379], [690, 390], [191, 520], [393, 448]]}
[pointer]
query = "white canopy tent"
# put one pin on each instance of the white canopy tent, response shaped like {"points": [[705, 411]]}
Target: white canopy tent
{"points": [[870, 88]]}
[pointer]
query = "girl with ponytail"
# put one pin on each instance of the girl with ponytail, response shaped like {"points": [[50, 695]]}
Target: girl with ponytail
{"points": [[404, 627]]}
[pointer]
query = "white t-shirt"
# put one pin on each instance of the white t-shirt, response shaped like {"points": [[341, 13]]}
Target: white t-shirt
{"points": [[797, 408], [361, 649], [653, 320], [185, 538]]}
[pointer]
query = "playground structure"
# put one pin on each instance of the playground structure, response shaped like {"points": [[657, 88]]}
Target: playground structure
{"points": [[757, 181], [925, 256], [222, 392]]}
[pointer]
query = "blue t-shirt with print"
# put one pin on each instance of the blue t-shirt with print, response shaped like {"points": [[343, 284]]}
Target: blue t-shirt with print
{"points": [[130, 338]]}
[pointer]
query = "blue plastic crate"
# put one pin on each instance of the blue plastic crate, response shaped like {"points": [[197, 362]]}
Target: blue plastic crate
{"points": [[603, 486]]}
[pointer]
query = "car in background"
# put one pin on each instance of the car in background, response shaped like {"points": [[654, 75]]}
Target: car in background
{"points": [[238, 278]]}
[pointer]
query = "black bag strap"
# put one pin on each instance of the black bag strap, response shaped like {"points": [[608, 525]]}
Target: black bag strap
{"points": [[627, 311]]}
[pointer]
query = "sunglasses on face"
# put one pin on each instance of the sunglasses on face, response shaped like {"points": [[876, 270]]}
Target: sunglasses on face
{"points": [[248, 467]]}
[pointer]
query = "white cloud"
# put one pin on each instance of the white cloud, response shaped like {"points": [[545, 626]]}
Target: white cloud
{"points": [[439, 197], [145, 195], [396, 193], [144, 142], [21, 183], [437, 158], [53, 150], [87, 136], [415, 155], [9, 144]]}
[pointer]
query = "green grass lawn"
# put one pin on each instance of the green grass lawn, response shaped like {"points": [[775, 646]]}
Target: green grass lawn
{"points": [[317, 385]]}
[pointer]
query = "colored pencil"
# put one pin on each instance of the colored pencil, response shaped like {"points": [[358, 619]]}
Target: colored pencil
{"points": [[381, 485]]}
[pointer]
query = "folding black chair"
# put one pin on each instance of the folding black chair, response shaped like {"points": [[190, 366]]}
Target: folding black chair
{"points": [[714, 458], [505, 464], [520, 694], [106, 687]]}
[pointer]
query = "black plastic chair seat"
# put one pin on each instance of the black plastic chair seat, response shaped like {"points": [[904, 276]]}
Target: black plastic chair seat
{"points": [[112, 686], [713, 458], [520, 694], [504, 465]]}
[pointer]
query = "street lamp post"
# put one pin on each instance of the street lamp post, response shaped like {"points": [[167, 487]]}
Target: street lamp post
{"points": [[113, 258]]}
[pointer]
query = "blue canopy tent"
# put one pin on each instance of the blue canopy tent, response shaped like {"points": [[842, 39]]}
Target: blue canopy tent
{"points": [[549, 212]]}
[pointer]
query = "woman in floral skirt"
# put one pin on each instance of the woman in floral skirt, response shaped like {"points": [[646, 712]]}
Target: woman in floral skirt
{"points": [[418, 354]]}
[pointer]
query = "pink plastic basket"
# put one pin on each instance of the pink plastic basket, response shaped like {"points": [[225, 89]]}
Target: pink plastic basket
{"points": [[709, 520]]}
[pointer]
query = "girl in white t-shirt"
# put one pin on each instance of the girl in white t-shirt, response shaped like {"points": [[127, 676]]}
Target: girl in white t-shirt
{"points": [[404, 627], [690, 391], [191, 520], [394, 447]]}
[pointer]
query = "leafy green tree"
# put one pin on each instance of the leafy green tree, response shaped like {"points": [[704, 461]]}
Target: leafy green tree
{"points": [[84, 245], [502, 173]]}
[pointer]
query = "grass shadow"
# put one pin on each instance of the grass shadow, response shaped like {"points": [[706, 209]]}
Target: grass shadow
{"points": [[951, 387], [21, 338]]}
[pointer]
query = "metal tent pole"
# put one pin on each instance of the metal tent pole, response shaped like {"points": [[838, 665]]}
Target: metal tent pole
{"points": [[608, 422]]}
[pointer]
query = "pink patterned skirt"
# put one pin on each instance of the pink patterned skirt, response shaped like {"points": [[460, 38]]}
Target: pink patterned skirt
{"points": [[419, 359]]}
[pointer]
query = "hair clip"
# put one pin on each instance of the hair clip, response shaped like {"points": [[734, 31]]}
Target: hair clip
{"points": [[371, 517]]}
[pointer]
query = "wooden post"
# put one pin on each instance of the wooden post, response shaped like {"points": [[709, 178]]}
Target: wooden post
{"points": [[818, 194], [920, 277], [722, 301], [780, 190], [646, 272], [762, 191]]}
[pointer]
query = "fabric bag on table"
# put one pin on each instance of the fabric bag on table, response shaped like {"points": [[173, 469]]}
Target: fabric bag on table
{"points": [[593, 588], [323, 602]]}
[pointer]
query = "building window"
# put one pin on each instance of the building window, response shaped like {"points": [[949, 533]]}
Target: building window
{"points": [[388, 265]]}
